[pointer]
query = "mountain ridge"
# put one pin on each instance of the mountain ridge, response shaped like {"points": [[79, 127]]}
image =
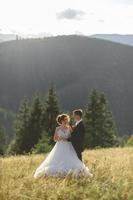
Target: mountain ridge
{"points": [[126, 39], [118, 38]]}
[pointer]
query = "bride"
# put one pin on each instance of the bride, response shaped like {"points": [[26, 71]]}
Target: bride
{"points": [[62, 160]]}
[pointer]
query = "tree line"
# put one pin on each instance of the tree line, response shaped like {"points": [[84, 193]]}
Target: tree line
{"points": [[35, 123]]}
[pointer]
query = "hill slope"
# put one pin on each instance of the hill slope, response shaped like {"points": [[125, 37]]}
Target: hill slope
{"points": [[75, 64]]}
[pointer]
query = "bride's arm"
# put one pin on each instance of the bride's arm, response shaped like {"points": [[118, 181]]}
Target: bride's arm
{"points": [[56, 137]]}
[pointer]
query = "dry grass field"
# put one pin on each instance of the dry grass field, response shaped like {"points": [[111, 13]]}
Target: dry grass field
{"points": [[112, 169]]}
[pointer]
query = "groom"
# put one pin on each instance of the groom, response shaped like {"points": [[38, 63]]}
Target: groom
{"points": [[77, 136]]}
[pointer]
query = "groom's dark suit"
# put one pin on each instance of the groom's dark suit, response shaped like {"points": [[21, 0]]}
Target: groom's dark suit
{"points": [[77, 139]]}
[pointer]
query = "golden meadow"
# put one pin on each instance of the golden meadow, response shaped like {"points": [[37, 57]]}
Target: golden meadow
{"points": [[112, 169]]}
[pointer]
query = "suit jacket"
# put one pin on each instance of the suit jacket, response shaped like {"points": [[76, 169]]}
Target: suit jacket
{"points": [[77, 137]]}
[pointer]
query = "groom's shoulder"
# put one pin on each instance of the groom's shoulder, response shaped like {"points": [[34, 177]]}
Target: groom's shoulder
{"points": [[81, 123]]}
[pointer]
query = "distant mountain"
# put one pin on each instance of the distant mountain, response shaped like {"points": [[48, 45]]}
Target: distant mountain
{"points": [[7, 37], [123, 39], [10, 37], [75, 64]]}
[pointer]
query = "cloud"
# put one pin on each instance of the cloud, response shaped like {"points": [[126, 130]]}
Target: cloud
{"points": [[70, 14], [92, 13], [101, 20], [78, 33]]}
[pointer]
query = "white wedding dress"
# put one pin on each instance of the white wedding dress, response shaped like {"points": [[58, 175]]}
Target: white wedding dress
{"points": [[62, 160]]}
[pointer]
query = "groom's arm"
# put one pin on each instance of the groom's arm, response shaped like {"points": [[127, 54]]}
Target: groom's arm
{"points": [[71, 130], [78, 135], [74, 135]]}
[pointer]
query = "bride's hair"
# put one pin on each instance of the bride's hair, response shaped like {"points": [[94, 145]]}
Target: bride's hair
{"points": [[61, 117]]}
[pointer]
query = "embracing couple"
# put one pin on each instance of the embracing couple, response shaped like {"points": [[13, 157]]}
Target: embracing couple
{"points": [[66, 156]]}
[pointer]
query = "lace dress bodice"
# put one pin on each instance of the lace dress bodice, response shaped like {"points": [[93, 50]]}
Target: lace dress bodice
{"points": [[64, 133]]}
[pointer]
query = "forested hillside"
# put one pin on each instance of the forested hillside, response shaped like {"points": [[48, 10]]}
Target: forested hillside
{"points": [[75, 64]]}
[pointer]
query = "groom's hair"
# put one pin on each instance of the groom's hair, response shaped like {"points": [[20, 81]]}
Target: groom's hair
{"points": [[78, 112]]}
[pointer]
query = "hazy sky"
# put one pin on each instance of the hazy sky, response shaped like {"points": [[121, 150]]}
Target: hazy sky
{"points": [[56, 17]]}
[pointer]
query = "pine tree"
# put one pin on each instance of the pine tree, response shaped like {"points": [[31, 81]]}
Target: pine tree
{"points": [[101, 129], [35, 123], [91, 116], [27, 126], [21, 129], [3, 139], [43, 145], [51, 110]]}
